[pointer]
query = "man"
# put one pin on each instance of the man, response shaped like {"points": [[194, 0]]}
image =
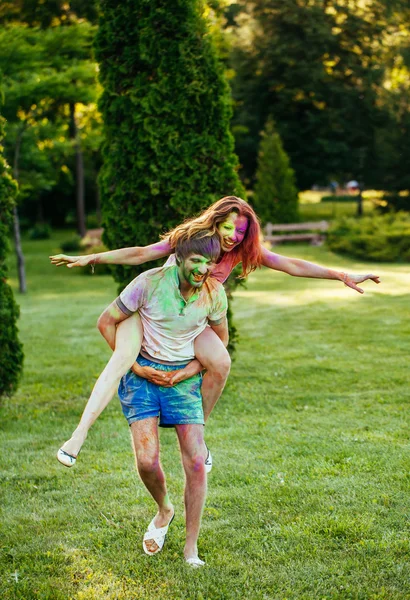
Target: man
{"points": [[176, 303]]}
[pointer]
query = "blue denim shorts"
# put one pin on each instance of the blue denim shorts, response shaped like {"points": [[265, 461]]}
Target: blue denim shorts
{"points": [[178, 405]]}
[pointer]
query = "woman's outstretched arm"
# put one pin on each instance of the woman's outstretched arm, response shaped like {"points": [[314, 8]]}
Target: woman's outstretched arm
{"points": [[137, 255], [303, 268]]}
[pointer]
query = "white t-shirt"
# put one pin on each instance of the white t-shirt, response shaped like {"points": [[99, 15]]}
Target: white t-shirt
{"points": [[170, 323]]}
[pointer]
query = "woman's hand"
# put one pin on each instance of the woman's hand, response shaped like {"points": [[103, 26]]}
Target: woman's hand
{"points": [[71, 261], [352, 280]]}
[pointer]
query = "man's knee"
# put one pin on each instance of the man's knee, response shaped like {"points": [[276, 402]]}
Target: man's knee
{"points": [[194, 462], [147, 462]]}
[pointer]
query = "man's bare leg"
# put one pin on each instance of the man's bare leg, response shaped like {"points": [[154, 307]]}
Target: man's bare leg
{"points": [[191, 442], [127, 346], [146, 449]]}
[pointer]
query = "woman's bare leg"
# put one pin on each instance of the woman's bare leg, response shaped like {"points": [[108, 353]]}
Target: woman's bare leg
{"points": [[127, 346], [214, 357]]}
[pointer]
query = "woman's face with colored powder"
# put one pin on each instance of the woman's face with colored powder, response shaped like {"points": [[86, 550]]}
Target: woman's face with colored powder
{"points": [[232, 230]]}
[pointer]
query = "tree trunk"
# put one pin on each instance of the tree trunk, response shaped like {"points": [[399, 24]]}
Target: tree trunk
{"points": [[360, 203], [362, 159], [40, 212], [98, 204], [79, 174], [16, 222], [19, 252]]}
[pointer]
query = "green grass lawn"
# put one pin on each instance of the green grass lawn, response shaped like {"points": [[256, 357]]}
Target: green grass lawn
{"points": [[328, 211], [309, 495]]}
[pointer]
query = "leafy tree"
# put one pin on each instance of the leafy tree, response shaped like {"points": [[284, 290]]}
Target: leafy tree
{"points": [[47, 13], [276, 196], [392, 146], [166, 107], [318, 69], [11, 352], [48, 77]]}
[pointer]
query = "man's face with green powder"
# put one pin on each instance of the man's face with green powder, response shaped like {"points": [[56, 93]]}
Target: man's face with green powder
{"points": [[194, 270]]}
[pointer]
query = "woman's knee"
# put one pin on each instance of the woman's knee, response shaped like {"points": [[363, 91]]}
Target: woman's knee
{"points": [[219, 367], [122, 360], [212, 354]]}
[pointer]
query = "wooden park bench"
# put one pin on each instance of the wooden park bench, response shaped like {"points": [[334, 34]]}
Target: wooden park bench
{"points": [[92, 237], [296, 232]]}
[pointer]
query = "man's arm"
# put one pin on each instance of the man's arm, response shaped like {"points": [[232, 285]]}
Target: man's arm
{"points": [[108, 321], [107, 325]]}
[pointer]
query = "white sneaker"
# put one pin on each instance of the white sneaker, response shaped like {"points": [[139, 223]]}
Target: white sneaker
{"points": [[208, 461]]}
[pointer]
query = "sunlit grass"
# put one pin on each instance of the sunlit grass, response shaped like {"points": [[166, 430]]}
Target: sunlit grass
{"points": [[308, 498], [329, 211], [312, 209], [315, 196]]}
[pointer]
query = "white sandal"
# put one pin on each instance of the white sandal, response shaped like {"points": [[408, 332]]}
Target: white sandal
{"points": [[195, 562], [157, 534], [68, 460], [208, 461]]}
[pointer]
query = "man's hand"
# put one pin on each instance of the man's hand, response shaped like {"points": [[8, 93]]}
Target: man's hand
{"points": [[192, 369], [161, 378], [352, 280], [60, 260], [168, 378]]}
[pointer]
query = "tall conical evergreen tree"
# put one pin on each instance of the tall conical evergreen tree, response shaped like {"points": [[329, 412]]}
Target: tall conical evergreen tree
{"points": [[166, 108], [11, 352], [276, 196]]}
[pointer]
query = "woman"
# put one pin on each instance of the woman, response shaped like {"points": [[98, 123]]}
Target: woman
{"points": [[239, 229]]}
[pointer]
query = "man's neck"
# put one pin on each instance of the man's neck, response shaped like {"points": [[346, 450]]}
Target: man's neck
{"points": [[185, 288]]}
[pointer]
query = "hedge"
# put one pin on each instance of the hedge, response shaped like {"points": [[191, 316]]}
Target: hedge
{"points": [[384, 238], [11, 350]]}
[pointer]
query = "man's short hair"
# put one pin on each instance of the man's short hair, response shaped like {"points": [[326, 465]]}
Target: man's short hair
{"points": [[201, 243]]}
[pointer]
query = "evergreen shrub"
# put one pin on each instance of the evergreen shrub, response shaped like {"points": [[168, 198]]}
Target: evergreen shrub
{"points": [[230, 285], [11, 350], [72, 244], [41, 231], [275, 194], [166, 106], [384, 238]]}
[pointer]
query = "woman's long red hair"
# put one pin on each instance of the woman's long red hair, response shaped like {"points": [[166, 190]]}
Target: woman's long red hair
{"points": [[249, 250]]}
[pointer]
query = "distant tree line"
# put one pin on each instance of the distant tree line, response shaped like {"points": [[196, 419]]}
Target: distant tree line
{"points": [[53, 133], [332, 76]]}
